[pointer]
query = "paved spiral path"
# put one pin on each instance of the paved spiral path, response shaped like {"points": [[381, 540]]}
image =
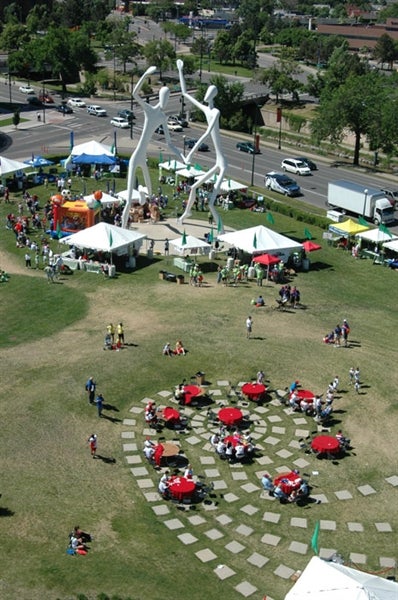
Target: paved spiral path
{"points": [[211, 519]]}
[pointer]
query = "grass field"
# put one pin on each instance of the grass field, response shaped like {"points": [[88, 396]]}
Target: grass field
{"points": [[51, 340]]}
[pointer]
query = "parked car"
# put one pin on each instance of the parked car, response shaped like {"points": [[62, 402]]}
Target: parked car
{"points": [[26, 89], [96, 110], [247, 147], [310, 163], [127, 114], [293, 165], [202, 148], [120, 122], [173, 125], [76, 103], [46, 98], [34, 101], [64, 109], [180, 120], [279, 182], [392, 195]]}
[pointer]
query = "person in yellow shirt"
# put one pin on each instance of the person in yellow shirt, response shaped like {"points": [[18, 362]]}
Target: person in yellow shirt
{"points": [[120, 333], [111, 331]]}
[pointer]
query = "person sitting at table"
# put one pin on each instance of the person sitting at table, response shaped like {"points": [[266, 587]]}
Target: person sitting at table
{"points": [[214, 439], [167, 351], [260, 301], [179, 349], [268, 484], [230, 452], [179, 394], [165, 477], [240, 451], [150, 406], [150, 417], [344, 442], [260, 377], [163, 489], [307, 406], [149, 452], [294, 401], [280, 494], [342, 243], [188, 473], [149, 443], [293, 386], [221, 448]]}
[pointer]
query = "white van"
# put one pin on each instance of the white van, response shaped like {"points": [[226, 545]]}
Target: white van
{"points": [[293, 165]]}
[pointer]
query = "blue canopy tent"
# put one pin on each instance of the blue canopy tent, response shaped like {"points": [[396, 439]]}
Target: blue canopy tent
{"points": [[93, 159], [38, 161]]}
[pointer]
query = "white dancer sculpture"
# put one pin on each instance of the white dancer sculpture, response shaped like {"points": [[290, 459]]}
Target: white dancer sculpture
{"points": [[212, 115], [154, 116]]}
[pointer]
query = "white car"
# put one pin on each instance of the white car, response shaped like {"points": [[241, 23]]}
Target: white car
{"points": [[26, 89], [96, 110], [294, 165], [76, 103], [120, 122], [173, 126]]}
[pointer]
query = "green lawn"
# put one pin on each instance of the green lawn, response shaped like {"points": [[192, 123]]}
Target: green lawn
{"points": [[51, 339]]}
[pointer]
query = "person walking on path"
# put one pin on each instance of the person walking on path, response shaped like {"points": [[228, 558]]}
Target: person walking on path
{"points": [[92, 440], [249, 326], [28, 262], [111, 331], [166, 247], [90, 389], [120, 334], [99, 401], [351, 373]]}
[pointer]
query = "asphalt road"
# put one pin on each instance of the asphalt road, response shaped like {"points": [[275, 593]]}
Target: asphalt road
{"points": [[53, 136]]}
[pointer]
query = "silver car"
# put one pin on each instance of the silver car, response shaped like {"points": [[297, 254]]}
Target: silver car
{"points": [[294, 165]]}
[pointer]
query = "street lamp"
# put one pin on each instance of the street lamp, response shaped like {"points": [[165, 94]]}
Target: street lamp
{"points": [[44, 103], [366, 191], [184, 137], [131, 105]]}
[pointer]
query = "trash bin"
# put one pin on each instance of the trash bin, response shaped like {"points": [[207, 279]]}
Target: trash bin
{"points": [[149, 253], [200, 378], [306, 264], [212, 255], [180, 279], [162, 274]]}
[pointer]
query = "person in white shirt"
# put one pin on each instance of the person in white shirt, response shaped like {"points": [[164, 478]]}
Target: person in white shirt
{"points": [[240, 452], [149, 453], [221, 448]]}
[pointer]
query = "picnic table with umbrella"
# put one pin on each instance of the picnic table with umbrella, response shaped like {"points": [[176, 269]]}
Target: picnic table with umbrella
{"points": [[268, 260], [311, 246]]}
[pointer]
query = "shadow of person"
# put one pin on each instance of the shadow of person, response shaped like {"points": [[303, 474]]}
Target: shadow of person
{"points": [[112, 419], [110, 407], [6, 512], [107, 459]]}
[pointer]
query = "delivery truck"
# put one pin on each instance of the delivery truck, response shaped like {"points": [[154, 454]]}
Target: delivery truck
{"points": [[369, 203]]}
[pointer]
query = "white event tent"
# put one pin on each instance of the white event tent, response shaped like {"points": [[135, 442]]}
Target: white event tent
{"points": [[105, 238], [324, 580], [393, 245], [376, 236], [190, 245], [260, 240]]}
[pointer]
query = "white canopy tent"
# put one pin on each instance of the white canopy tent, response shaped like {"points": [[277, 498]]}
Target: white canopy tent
{"points": [[8, 165], [331, 581], [188, 244], [191, 172], [230, 185], [392, 245], [106, 199], [106, 238], [92, 148], [172, 165], [260, 239], [376, 236], [139, 195]]}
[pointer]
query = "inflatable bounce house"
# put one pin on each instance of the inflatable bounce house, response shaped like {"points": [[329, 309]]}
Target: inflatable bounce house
{"points": [[73, 216]]}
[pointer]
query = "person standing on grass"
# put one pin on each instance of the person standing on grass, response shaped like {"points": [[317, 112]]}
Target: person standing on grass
{"points": [[249, 326], [111, 331], [90, 389], [345, 330], [92, 440], [99, 401], [28, 262], [120, 334], [351, 373]]}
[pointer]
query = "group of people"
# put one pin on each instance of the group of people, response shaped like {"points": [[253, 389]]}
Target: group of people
{"points": [[339, 336], [78, 541], [178, 349], [289, 295], [234, 448], [110, 343], [93, 398], [299, 491], [150, 413]]}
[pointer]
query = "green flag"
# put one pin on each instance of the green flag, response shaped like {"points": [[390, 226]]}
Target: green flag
{"points": [[210, 237], [385, 230], [255, 241], [270, 218], [160, 157], [110, 239], [58, 230], [362, 221], [314, 539], [307, 234], [184, 239], [219, 226]]}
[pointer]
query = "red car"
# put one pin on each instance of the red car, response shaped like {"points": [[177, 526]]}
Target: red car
{"points": [[46, 98]]}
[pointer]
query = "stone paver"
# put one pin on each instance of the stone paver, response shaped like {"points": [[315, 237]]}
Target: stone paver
{"points": [[128, 435], [187, 538], [320, 498], [244, 530], [130, 448], [298, 522], [212, 473], [246, 589], [343, 495], [383, 527], [279, 430], [359, 559], [205, 555], [298, 547], [220, 485], [193, 440], [301, 463], [264, 460], [224, 519], [145, 483], [230, 497], [274, 418], [271, 540], [223, 572], [139, 471], [327, 525], [387, 562], [300, 421], [355, 527], [133, 459], [284, 572], [301, 433], [207, 460], [174, 524], [196, 520], [366, 490], [214, 534], [235, 547], [223, 382], [250, 488], [136, 410], [271, 517], [164, 393], [239, 476], [152, 496], [161, 510], [327, 553], [249, 509], [258, 560], [272, 440], [392, 480], [284, 453], [130, 422]]}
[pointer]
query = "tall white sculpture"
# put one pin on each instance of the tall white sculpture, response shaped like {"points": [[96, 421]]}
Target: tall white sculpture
{"points": [[212, 115], [154, 116]]}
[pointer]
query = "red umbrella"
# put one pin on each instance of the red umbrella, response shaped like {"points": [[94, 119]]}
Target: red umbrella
{"points": [[266, 259], [311, 246]]}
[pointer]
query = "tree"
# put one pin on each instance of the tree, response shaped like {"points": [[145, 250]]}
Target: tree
{"points": [[123, 43], [16, 118], [281, 76], [385, 51], [244, 51], [13, 37], [228, 101], [358, 106], [255, 14], [222, 47], [74, 13], [159, 53]]}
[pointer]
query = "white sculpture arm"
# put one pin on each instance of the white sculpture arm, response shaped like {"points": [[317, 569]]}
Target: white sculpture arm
{"points": [[170, 144], [212, 122], [139, 84]]}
